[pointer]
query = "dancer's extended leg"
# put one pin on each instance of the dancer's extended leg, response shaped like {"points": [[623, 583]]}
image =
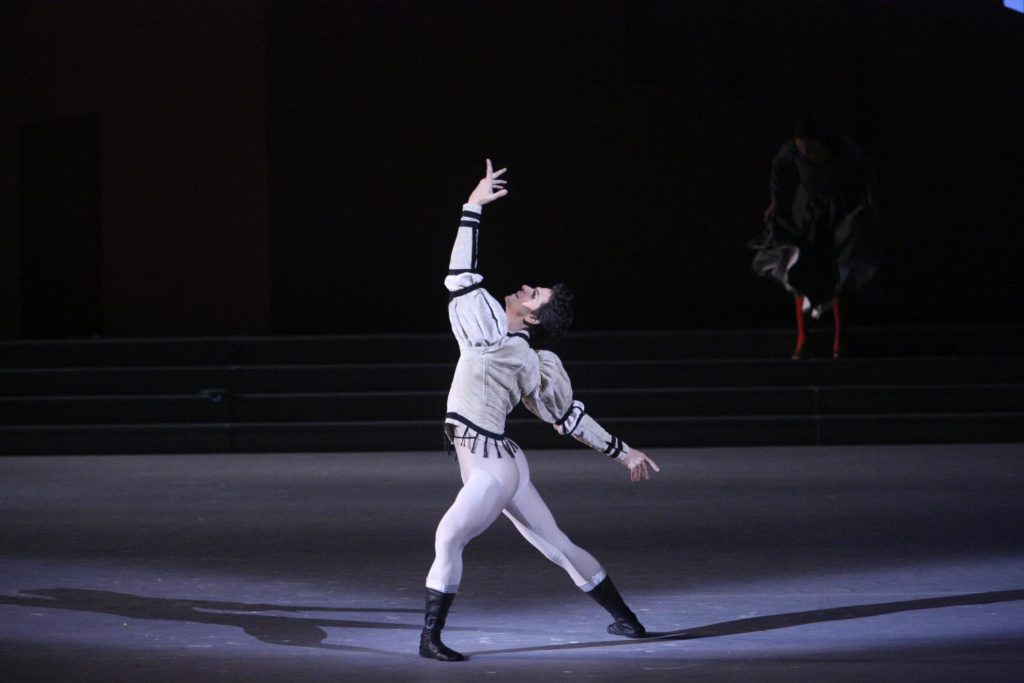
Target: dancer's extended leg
{"points": [[534, 520]]}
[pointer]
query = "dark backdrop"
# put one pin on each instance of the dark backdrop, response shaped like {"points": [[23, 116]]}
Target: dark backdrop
{"points": [[639, 137], [638, 134]]}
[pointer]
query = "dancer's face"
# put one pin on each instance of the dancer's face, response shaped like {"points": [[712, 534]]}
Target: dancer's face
{"points": [[810, 149], [525, 302]]}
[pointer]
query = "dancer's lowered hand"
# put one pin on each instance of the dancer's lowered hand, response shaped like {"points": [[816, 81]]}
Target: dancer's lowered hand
{"points": [[490, 187], [637, 462]]}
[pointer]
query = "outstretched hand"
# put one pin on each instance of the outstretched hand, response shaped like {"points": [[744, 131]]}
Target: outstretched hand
{"points": [[637, 462], [490, 187]]}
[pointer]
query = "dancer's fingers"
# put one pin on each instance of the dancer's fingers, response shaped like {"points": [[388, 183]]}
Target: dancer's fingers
{"points": [[638, 470]]}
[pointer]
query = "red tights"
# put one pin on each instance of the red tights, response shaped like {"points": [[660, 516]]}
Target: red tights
{"points": [[838, 314]]}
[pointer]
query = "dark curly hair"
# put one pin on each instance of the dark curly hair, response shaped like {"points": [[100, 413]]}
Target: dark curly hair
{"points": [[555, 316]]}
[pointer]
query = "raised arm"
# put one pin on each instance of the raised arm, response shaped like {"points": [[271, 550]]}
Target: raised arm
{"points": [[551, 400], [462, 265], [476, 318]]}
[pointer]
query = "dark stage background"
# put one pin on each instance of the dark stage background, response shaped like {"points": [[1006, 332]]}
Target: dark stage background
{"points": [[297, 167]]}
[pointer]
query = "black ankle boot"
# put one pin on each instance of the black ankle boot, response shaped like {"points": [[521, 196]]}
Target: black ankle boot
{"points": [[431, 646], [625, 624]]}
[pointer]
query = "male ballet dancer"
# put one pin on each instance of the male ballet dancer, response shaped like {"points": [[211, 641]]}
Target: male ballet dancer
{"points": [[497, 369]]}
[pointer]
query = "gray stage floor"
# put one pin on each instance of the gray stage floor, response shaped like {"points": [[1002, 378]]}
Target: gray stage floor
{"points": [[770, 564]]}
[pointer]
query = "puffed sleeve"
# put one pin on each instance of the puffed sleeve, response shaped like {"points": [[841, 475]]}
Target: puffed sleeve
{"points": [[477, 319], [551, 399]]}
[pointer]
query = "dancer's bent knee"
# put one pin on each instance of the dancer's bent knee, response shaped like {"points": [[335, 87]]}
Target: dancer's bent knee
{"points": [[475, 508]]}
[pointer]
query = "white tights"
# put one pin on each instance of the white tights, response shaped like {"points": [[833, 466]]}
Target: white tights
{"points": [[492, 486]]}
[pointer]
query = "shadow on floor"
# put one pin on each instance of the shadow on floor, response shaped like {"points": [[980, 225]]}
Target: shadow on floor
{"points": [[777, 621], [276, 630], [307, 632]]}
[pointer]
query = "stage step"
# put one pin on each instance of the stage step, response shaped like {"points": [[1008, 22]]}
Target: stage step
{"points": [[426, 435], [632, 374], [655, 389], [399, 406], [894, 342]]}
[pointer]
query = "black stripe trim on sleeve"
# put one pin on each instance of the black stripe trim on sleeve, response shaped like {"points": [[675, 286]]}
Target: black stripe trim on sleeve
{"points": [[469, 224], [465, 290], [466, 213], [578, 421], [561, 421], [614, 447], [476, 247], [461, 271]]}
